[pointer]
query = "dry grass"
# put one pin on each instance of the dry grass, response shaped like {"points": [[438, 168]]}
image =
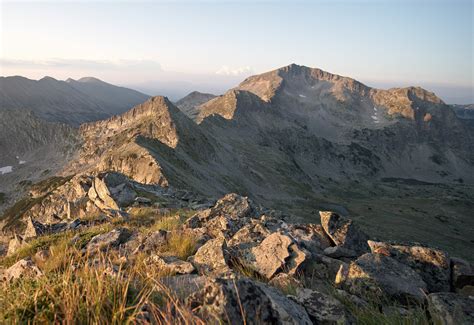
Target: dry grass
{"points": [[181, 245], [78, 290]]}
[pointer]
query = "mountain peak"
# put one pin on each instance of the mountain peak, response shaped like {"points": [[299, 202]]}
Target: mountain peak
{"points": [[90, 80]]}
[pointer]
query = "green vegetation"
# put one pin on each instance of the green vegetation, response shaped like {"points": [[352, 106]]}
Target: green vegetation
{"points": [[2, 197]]}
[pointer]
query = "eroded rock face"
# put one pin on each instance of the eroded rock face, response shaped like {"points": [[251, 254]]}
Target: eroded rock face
{"points": [[242, 300], [322, 308], [382, 276], [432, 264], [450, 308], [23, 268], [344, 232]]}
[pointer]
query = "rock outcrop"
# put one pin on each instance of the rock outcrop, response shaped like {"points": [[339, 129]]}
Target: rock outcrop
{"points": [[384, 277]]}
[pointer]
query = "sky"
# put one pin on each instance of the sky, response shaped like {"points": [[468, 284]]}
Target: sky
{"points": [[173, 47]]}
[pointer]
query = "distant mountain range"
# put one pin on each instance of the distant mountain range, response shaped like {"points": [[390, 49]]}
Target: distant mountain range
{"points": [[296, 139], [71, 101]]}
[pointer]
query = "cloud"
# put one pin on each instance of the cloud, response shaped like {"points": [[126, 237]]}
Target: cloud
{"points": [[227, 71]]}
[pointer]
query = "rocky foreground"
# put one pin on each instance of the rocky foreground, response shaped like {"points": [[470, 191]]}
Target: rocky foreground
{"points": [[107, 249]]}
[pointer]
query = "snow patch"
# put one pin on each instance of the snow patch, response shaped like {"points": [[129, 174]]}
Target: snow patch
{"points": [[303, 96], [6, 169], [374, 117], [21, 162]]}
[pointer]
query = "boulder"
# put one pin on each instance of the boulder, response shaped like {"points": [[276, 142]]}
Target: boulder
{"points": [[172, 264], [310, 237], [339, 251], [33, 229], [451, 308], [242, 301], [382, 276], [276, 253], [322, 308], [249, 235], [229, 214], [324, 267], [154, 241], [432, 264], [42, 255], [212, 258], [462, 274], [112, 239], [285, 282], [184, 285], [344, 232], [14, 244], [23, 268]]}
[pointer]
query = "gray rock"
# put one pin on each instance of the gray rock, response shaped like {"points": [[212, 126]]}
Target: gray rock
{"points": [[462, 274], [23, 268], [276, 253], [382, 276], [451, 309], [155, 240], [432, 264], [310, 237], [212, 258], [42, 255], [184, 285], [112, 239], [244, 301], [172, 264], [344, 232], [338, 252], [14, 244], [33, 229], [322, 308]]}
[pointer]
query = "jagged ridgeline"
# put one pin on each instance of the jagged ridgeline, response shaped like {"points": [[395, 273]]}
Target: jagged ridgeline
{"points": [[140, 203]]}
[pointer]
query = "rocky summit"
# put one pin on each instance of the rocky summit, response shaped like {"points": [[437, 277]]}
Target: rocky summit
{"points": [[297, 197]]}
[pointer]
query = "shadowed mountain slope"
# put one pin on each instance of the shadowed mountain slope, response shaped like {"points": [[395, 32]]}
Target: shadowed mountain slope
{"points": [[72, 102]]}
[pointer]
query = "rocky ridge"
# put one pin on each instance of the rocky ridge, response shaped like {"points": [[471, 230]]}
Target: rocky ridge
{"points": [[249, 264]]}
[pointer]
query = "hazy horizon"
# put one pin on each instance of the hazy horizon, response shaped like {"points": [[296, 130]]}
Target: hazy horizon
{"points": [[174, 47]]}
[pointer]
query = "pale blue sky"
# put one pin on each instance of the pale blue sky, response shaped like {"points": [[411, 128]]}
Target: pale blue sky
{"points": [[211, 45]]}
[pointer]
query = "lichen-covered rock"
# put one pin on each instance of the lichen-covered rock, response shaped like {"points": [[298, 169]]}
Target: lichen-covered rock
{"points": [[212, 258], [344, 232], [276, 253], [23, 268], [244, 301], [112, 239], [382, 276], [310, 237], [322, 308], [249, 235], [449, 308], [432, 264], [172, 264], [462, 274]]}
